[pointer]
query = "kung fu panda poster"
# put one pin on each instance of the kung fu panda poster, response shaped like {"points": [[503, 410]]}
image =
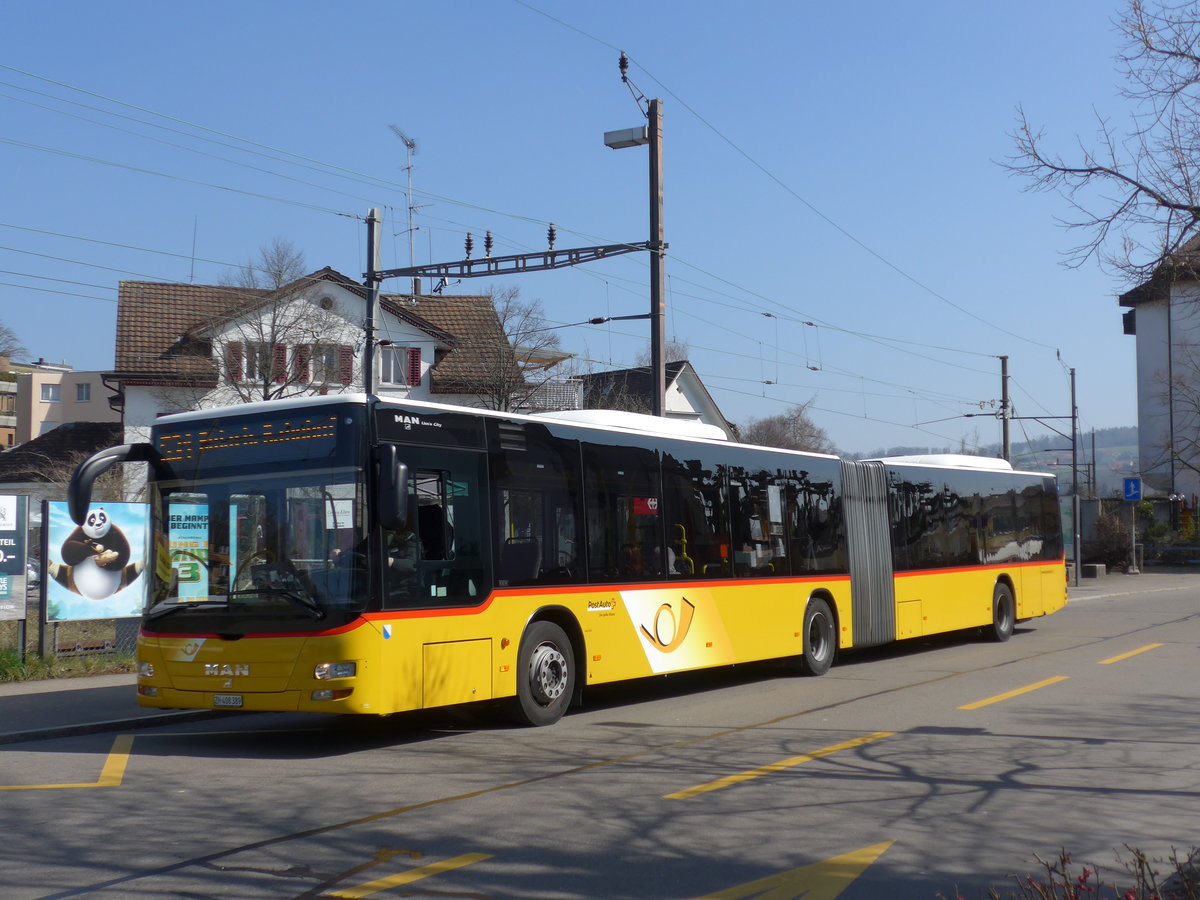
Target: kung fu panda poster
{"points": [[96, 570]]}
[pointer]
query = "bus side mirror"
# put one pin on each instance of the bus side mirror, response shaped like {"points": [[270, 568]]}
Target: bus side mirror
{"points": [[393, 488], [79, 491]]}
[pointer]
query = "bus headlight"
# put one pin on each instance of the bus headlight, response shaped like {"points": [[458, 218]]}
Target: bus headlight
{"points": [[335, 670], [145, 670]]}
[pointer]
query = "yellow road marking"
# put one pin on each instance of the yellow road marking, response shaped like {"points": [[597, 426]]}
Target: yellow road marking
{"points": [[379, 884], [729, 780], [1017, 693], [110, 776], [1113, 659], [821, 881]]}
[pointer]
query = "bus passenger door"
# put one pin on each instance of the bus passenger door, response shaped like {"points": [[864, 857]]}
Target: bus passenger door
{"points": [[435, 560]]}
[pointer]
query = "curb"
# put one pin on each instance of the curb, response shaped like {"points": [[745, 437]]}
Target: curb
{"points": [[134, 722]]}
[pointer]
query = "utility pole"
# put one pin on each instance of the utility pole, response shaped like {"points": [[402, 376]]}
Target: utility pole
{"points": [[1005, 412], [658, 361], [1075, 481], [373, 277]]}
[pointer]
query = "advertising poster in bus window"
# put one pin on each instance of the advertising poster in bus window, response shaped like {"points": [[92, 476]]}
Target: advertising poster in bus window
{"points": [[96, 570], [13, 549], [188, 529]]}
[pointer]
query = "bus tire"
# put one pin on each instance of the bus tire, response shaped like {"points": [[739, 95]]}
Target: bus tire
{"points": [[545, 674], [1004, 614], [820, 638]]}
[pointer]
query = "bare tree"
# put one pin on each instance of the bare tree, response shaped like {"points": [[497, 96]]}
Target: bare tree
{"points": [[790, 430], [513, 365], [10, 344], [674, 350], [278, 263], [1136, 193], [284, 346], [263, 345]]}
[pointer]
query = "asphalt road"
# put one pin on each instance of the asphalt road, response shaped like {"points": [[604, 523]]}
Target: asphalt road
{"points": [[934, 766]]}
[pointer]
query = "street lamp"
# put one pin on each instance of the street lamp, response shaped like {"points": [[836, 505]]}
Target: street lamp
{"points": [[651, 134]]}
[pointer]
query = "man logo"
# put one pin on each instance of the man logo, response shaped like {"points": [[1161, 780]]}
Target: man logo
{"points": [[226, 669], [668, 634]]}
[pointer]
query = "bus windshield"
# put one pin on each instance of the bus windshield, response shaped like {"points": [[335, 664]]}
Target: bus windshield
{"points": [[252, 548]]}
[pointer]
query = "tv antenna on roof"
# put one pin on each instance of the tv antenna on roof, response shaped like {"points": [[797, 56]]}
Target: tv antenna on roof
{"points": [[410, 147]]}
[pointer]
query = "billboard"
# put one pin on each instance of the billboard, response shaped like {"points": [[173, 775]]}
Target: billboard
{"points": [[13, 554], [95, 570]]}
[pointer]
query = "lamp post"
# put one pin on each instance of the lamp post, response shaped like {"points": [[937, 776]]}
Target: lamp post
{"points": [[651, 134]]}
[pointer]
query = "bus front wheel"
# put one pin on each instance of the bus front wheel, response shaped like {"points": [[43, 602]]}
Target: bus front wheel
{"points": [[820, 638], [1004, 614], [545, 674]]}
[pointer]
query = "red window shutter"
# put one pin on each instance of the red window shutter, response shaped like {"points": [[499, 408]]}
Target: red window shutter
{"points": [[279, 369], [233, 360], [414, 366], [346, 363], [300, 362]]}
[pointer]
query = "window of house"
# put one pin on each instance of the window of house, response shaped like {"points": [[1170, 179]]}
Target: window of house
{"points": [[51, 393], [83, 393], [400, 366], [326, 364], [259, 359]]}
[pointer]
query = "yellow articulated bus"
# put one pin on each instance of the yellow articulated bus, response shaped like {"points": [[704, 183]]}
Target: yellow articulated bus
{"points": [[351, 554]]}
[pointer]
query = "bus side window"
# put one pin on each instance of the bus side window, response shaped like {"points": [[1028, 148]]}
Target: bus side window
{"points": [[536, 524], [695, 510], [622, 496]]}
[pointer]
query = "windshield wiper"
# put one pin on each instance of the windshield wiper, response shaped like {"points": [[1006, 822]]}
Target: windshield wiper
{"points": [[167, 607], [302, 601]]}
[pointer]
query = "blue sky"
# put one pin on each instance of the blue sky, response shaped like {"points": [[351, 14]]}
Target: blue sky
{"points": [[827, 164]]}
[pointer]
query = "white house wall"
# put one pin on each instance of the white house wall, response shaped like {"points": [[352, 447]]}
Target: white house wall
{"points": [[1185, 341], [1153, 420]]}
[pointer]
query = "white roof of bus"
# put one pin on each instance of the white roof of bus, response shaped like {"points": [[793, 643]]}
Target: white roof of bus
{"points": [[631, 421], [950, 461], [955, 461]]}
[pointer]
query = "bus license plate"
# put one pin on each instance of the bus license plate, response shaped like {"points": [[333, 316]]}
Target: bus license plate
{"points": [[227, 700]]}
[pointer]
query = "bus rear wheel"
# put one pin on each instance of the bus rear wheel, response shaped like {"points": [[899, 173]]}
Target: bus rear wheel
{"points": [[545, 675], [1004, 614], [820, 638]]}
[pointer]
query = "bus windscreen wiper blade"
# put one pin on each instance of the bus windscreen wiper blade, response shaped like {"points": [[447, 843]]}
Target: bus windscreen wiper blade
{"points": [[302, 601], [166, 607]]}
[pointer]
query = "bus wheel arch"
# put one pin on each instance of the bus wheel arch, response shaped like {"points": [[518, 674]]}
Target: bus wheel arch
{"points": [[1004, 610], [819, 634], [549, 668]]}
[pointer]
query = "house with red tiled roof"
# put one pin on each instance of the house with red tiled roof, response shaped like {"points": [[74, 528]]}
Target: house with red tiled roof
{"points": [[190, 346]]}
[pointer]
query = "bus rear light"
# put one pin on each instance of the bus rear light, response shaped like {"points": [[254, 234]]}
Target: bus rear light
{"points": [[325, 671], [147, 691], [329, 694], [145, 670]]}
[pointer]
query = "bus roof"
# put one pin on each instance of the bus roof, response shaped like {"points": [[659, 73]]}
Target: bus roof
{"points": [[631, 421], [955, 461]]}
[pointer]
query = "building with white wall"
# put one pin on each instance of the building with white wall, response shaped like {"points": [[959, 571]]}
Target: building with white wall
{"points": [[1164, 318]]}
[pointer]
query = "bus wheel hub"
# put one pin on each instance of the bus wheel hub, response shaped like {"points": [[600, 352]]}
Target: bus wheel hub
{"points": [[547, 673]]}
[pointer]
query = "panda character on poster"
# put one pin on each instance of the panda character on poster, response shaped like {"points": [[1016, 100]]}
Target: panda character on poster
{"points": [[96, 559]]}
